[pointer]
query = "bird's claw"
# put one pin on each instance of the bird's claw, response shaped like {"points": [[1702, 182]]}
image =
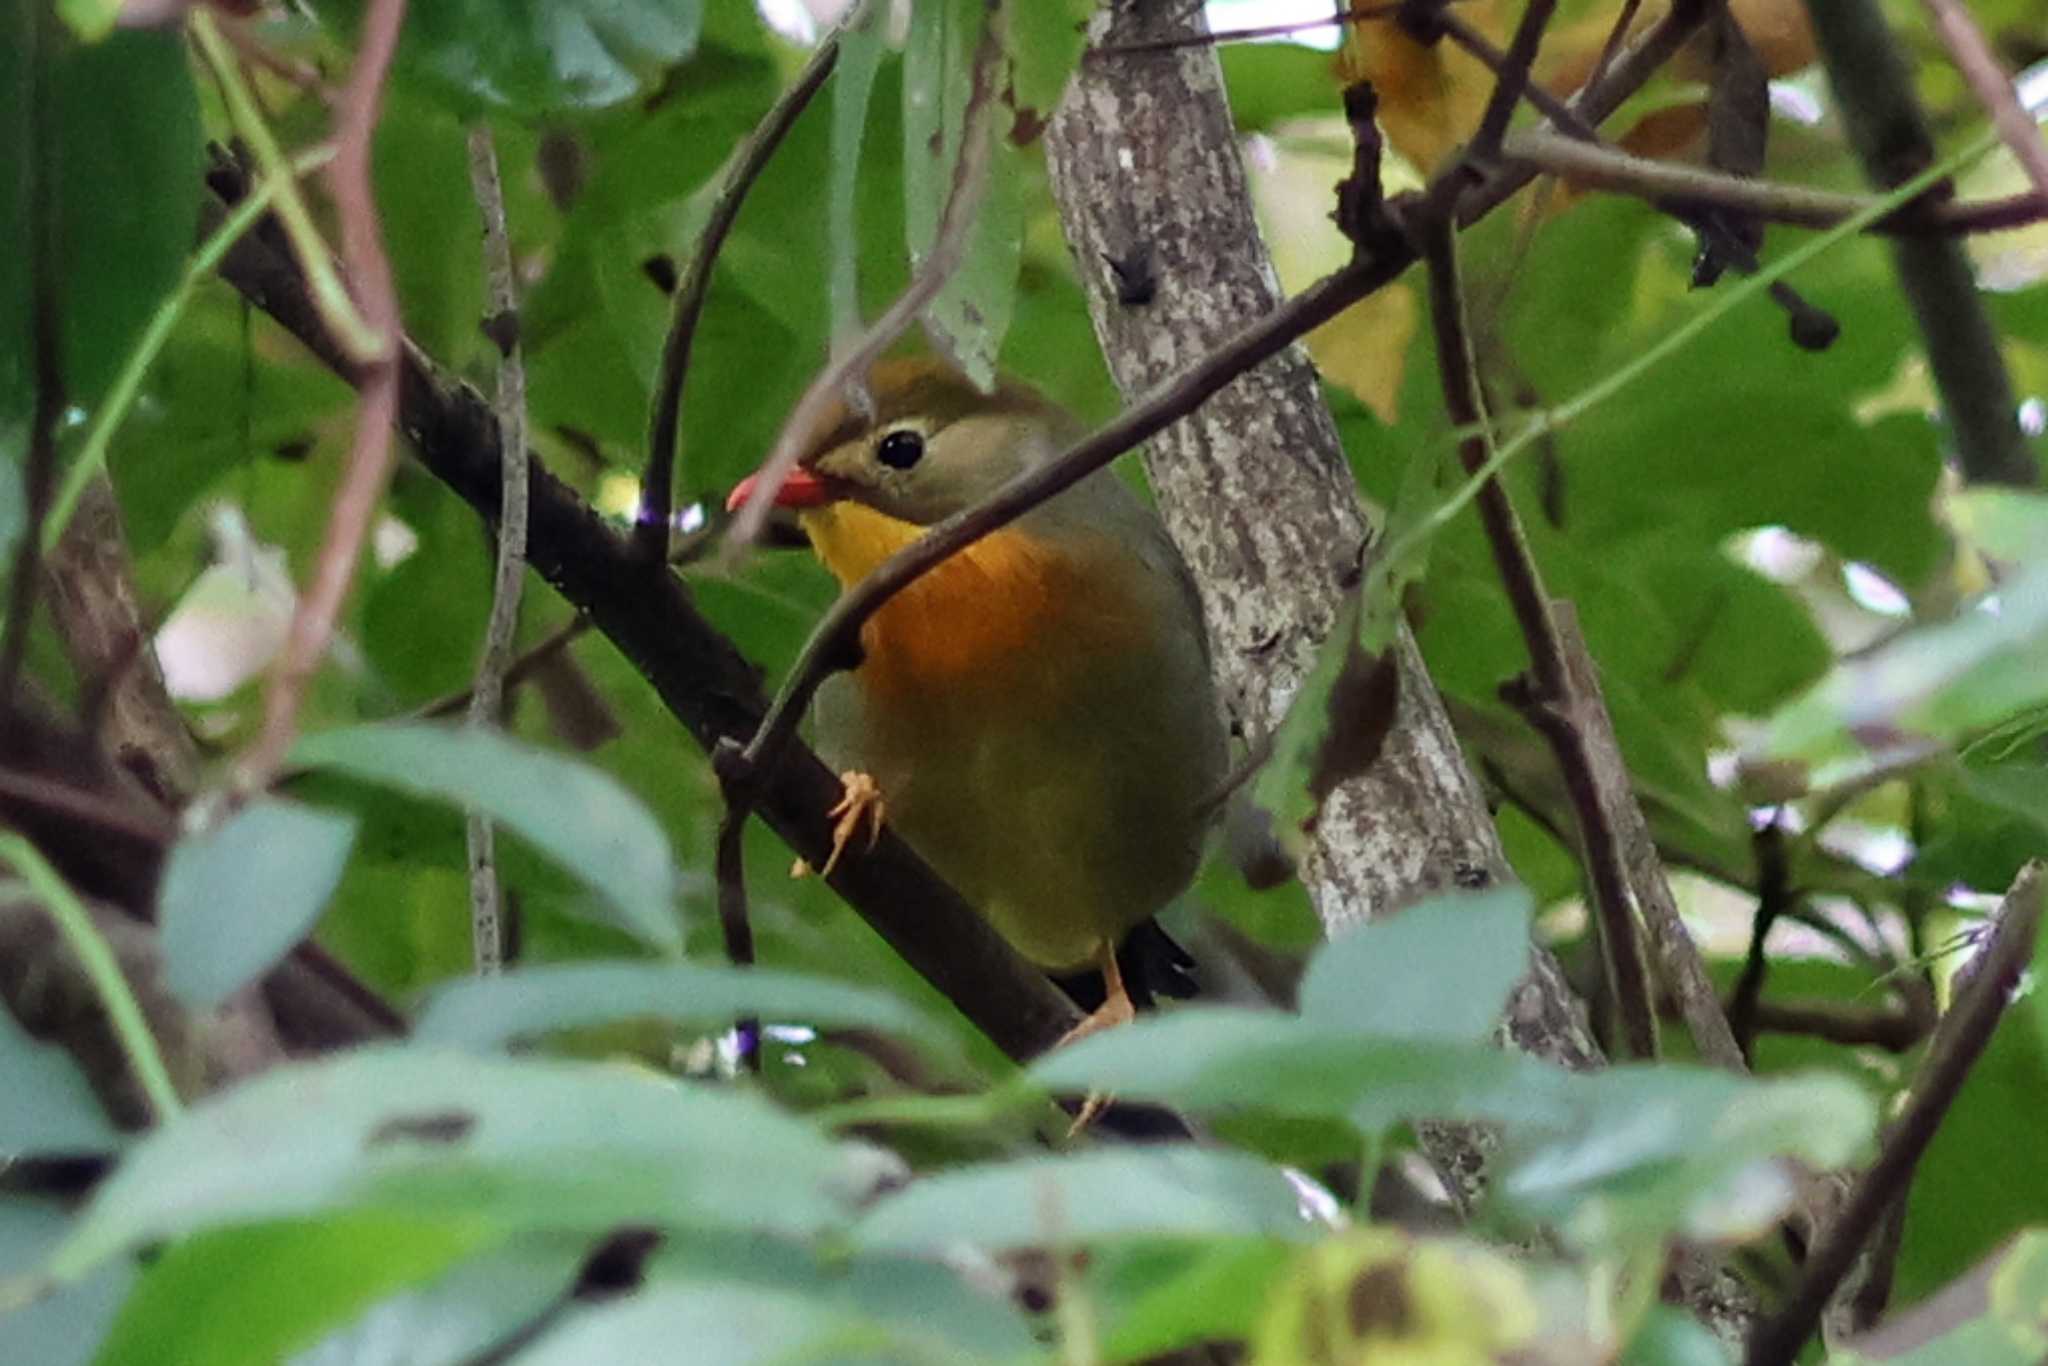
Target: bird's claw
{"points": [[860, 802]]}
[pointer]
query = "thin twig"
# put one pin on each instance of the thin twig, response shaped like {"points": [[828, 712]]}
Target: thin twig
{"points": [[351, 321], [1892, 1029], [1511, 82], [372, 449], [949, 246], [1547, 696], [1254, 33], [1993, 87], [1958, 1042], [1596, 164], [834, 637], [38, 171], [1773, 898], [487, 698], [1616, 36], [657, 484], [517, 672], [102, 969]]}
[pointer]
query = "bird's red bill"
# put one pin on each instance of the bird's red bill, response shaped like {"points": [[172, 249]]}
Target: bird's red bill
{"points": [[802, 489]]}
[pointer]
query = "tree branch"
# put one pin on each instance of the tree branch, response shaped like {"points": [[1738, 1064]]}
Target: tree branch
{"points": [[1958, 1042], [1546, 696], [1676, 185], [370, 452], [1874, 90], [1993, 88]]}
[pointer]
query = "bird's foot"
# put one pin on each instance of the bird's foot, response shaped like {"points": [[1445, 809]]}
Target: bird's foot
{"points": [[860, 803], [1116, 1009]]}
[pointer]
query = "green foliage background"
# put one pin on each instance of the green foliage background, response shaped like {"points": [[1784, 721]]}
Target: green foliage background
{"points": [[291, 1220]]}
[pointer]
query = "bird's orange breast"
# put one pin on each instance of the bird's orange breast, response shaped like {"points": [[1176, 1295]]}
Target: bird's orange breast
{"points": [[1011, 605]]}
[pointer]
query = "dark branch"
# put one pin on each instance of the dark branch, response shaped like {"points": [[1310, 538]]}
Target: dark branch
{"points": [[1958, 1042], [1874, 90], [1546, 695]]}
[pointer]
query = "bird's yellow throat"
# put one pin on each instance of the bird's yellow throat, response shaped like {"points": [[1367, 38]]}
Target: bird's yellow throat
{"points": [[1000, 599]]}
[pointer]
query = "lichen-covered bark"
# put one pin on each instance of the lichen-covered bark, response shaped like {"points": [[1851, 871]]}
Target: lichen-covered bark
{"points": [[1254, 487]]}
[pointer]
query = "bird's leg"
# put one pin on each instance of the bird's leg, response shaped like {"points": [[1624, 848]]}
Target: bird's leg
{"points": [[1116, 1009], [859, 803]]}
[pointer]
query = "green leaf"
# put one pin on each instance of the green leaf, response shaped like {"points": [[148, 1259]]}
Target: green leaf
{"points": [[1226, 1058], [735, 1324], [121, 143], [234, 899], [1989, 1317], [490, 1012], [1438, 970], [1672, 1337], [1930, 683], [1156, 1192], [91, 20], [1044, 41], [2010, 524], [50, 1108], [63, 1328], [931, 1298], [269, 1289], [1270, 83], [1650, 1149], [853, 81], [540, 57], [518, 1145], [575, 814], [1965, 1199], [1168, 1297], [972, 311]]}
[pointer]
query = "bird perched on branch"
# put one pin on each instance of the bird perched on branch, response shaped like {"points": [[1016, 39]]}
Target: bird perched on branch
{"points": [[1037, 711]]}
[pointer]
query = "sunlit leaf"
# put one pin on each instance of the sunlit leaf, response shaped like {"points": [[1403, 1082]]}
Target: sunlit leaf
{"points": [[1932, 683], [530, 1144], [573, 813], [1650, 1149], [271, 1288], [65, 1327], [1990, 1317], [1438, 970], [235, 898], [50, 1108], [1157, 1192], [489, 1012]]}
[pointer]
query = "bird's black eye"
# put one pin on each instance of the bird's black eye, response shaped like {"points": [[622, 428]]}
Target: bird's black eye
{"points": [[900, 449]]}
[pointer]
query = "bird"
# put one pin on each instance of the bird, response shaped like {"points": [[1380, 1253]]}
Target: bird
{"points": [[1037, 715]]}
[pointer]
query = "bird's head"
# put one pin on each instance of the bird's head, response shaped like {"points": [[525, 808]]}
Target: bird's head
{"points": [[934, 445]]}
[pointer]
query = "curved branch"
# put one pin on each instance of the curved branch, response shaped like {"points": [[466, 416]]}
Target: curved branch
{"points": [[657, 483]]}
